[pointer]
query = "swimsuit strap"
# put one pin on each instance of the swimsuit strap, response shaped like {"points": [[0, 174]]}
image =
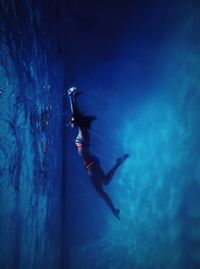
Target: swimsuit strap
{"points": [[89, 165], [78, 143]]}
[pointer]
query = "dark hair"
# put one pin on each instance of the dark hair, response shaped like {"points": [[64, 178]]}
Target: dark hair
{"points": [[83, 121]]}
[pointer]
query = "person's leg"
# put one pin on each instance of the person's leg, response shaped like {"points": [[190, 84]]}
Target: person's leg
{"points": [[99, 188], [112, 171], [108, 201]]}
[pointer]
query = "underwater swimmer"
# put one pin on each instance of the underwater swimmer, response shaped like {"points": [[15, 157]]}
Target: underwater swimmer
{"points": [[91, 163]]}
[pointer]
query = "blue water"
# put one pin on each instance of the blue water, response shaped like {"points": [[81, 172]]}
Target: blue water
{"points": [[140, 75]]}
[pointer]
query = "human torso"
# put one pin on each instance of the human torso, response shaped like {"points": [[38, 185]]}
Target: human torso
{"points": [[82, 142], [90, 162]]}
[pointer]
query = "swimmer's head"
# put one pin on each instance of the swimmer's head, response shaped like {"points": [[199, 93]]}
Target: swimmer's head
{"points": [[72, 123]]}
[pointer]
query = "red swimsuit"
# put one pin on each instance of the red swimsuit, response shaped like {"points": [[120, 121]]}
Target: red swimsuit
{"points": [[80, 145]]}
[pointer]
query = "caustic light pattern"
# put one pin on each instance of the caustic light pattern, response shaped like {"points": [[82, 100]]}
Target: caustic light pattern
{"points": [[158, 187]]}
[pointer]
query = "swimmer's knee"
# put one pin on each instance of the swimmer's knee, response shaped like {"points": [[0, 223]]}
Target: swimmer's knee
{"points": [[101, 192], [98, 187], [105, 181]]}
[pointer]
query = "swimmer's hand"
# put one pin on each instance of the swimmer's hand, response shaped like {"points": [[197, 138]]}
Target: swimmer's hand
{"points": [[73, 91]]}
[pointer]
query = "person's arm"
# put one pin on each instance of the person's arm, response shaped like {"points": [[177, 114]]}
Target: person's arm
{"points": [[72, 93]]}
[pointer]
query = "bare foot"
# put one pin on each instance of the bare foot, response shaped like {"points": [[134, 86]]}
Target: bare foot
{"points": [[122, 159], [116, 212]]}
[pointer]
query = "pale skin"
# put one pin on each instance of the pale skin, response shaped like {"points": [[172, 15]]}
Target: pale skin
{"points": [[97, 175]]}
